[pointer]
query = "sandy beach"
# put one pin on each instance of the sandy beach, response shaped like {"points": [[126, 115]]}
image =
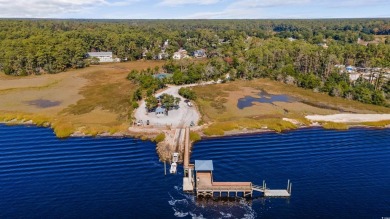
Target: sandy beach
{"points": [[349, 118]]}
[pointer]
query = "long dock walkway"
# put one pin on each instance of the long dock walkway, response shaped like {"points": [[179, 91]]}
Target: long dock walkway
{"points": [[188, 179]]}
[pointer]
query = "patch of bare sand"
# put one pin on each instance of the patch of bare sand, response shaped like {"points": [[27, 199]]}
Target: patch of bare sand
{"points": [[350, 118]]}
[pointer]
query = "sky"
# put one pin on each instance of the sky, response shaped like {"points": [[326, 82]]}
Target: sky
{"points": [[194, 9]]}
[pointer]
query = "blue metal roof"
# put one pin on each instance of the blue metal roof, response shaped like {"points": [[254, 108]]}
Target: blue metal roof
{"points": [[204, 165], [160, 110], [162, 75]]}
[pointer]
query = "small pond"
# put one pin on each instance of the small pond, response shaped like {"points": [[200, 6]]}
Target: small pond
{"points": [[42, 103], [264, 97]]}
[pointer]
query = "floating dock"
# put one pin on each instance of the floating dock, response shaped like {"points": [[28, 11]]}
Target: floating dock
{"points": [[198, 178]]}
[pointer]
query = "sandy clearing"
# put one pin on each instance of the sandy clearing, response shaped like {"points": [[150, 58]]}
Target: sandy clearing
{"points": [[177, 118], [349, 118]]}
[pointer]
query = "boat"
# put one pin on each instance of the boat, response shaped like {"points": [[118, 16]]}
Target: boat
{"points": [[173, 168]]}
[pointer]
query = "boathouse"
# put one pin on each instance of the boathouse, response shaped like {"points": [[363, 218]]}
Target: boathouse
{"points": [[205, 185]]}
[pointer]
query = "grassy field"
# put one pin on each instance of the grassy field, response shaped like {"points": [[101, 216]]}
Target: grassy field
{"points": [[218, 106], [93, 100], [96, 100]]}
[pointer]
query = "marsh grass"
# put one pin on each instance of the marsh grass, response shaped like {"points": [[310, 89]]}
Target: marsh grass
{"points": [[194, 136], [113, 97], [335, 126], [278, 125], [217, 104], [382, 123], [300, 118], [159, 138], [36, 119], [63, 129], [106, 89], [51, 84]]}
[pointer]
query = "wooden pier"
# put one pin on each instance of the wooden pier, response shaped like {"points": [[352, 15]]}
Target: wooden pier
{"points": [[188, 179], [205, 186]]}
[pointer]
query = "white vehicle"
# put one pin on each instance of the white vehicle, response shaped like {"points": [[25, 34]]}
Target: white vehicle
{"points": [[189, 104], [173, 168]]}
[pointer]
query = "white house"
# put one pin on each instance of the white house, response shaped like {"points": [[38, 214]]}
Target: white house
{"points": [[103, 56], [354, 76], [180, 54]]}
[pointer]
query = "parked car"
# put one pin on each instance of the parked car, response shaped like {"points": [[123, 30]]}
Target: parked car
{"points": [[139, 122], [192, 123], [189, 104], [147, 122]]}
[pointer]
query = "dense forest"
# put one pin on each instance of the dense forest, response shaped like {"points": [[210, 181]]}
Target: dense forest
{"points": [[299, 52]]}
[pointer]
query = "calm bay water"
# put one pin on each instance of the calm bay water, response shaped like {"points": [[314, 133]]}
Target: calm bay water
{"points": [[335, 174]]}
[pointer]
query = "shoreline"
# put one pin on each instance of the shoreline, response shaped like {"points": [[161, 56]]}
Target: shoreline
{"points": [[164, 149], [150, 135]]}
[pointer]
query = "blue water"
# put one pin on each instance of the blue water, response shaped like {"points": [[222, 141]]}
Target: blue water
{"points": [[263, 98], [335, 174]]}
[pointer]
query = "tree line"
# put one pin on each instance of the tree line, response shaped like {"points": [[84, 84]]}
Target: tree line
{"points": [[291, 51], [50, 46]]}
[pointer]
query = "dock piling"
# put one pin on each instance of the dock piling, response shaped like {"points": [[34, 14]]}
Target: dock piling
{"points": [[288, 185], [165, 168]]}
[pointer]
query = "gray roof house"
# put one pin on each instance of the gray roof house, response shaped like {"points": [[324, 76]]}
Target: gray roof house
{"points": [[201, 53]]}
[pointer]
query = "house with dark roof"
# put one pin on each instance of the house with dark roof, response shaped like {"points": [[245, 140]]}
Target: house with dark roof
{"points": [[201, 53]]}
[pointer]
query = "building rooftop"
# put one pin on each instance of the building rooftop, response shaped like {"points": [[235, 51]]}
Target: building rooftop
{"points": [[160, 110], [162, 75], [204, 165], [100, 53]]}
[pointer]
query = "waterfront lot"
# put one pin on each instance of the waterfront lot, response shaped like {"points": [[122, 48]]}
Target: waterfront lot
{"points": [[94, 99], [218, 105], [181, 117]]}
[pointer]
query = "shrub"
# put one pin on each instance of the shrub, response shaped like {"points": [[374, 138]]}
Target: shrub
{"points": [[194, 136], [187, 93], [135, 105], [63, 129], [160, 137], [383, 123], [335, 125]]}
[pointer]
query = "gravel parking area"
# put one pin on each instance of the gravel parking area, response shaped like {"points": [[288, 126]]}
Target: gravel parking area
{"points": [[176, 118]]}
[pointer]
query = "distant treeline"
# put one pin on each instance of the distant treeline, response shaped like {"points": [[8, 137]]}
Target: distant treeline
{"points": [[292, 51], [36, 46]]}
